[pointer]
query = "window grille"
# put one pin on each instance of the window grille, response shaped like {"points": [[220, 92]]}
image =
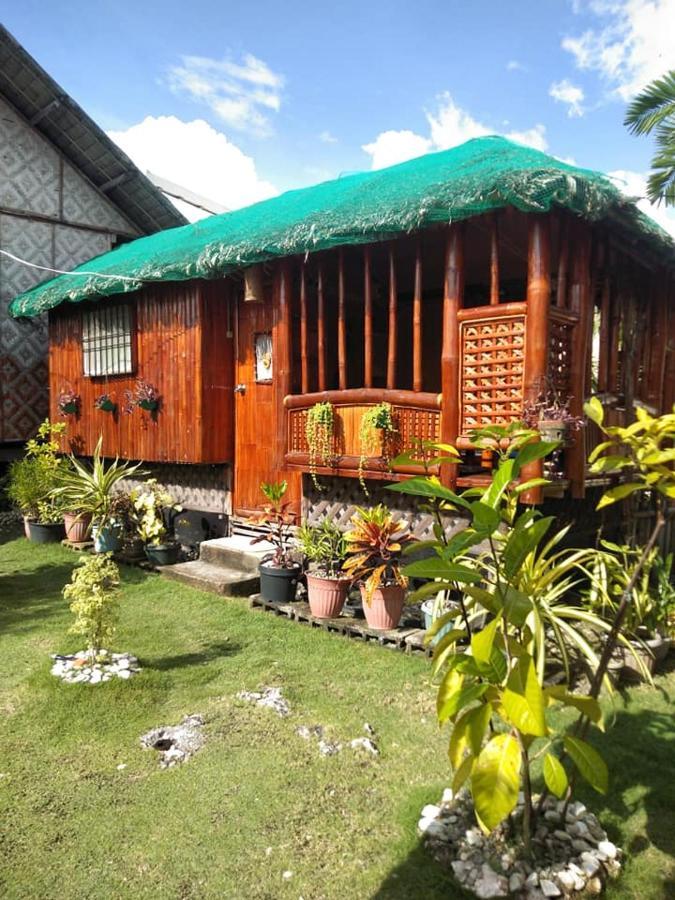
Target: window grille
{"points": [[106, 341]]}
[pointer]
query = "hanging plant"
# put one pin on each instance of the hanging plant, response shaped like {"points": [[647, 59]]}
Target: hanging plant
{"points": [[68, 402], [319, 434], [144, 396], [377, 426], [105, 402]]}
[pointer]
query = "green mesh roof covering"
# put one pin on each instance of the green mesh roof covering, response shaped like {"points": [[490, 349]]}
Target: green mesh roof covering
{"points": [[478, 176]]}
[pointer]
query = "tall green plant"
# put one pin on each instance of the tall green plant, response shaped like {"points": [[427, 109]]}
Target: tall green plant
{"points": [[375, 431], [90, 488], [490, 674], [319, 434], [32, 479], [325, 546]]}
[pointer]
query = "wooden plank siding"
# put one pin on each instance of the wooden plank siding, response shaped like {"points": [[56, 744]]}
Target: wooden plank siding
{"points": [[181, 347]]}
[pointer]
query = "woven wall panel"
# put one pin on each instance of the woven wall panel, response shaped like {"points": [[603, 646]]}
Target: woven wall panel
{"points": [[560, 357], [492, 370], [206, 488]]}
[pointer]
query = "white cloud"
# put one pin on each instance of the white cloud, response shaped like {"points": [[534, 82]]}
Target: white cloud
{"points": [[327, 138], [449, 126], [391, 147], [242, 95], [195, 156], [634, 184], [569, 94], [514, 65], [633, 44]]}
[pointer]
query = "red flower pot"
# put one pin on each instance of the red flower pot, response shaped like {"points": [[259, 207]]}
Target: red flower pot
{"points": [[326, 595], [384, 611], [78, 527]]}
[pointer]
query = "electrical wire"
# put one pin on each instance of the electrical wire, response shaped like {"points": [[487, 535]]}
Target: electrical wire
{"points": [[25, 262]]}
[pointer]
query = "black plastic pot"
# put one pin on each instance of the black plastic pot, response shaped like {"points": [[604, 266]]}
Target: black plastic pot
{"points": [[278, 585], [46, 533], [162, 554]]}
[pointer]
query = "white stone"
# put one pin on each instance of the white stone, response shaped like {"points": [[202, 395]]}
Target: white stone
{"points": [[567, 880], [459, 868], [516, 882], [448, 796], [121, 767], [122, 663], [430, 811], [589, 864], [473, 837], [608, 849], [124, 673], [96, 677], [432, 828], [594, 886], [549, 888], [287, 875], [364, 744], [532, 880], [490, 884]]}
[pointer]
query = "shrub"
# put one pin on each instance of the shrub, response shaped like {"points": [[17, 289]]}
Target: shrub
{"points": [[93, 597]]}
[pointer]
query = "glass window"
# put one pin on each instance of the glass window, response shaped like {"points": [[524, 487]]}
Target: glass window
{"points": [[106, 340]]}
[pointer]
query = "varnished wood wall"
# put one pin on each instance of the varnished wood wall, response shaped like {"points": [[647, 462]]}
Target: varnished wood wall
{"points": [[183, 347]]}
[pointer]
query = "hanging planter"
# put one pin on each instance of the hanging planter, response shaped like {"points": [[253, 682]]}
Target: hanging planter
{"points": [[105, 403], [319, 434], [375, 431], [68, 403], [144, 396]]}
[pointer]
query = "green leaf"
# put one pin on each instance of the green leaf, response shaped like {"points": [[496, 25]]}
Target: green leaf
{"points": [[449, 686], [495, 780], [523, 698], [462, 773], [529, 484], [435, 567], [460, 698], [428, 486], [594, 410], [588, 706], [517, 605], [555, 775], [437, 624], [532, 452], [482, 642], [620, 492], [522, 540], [494, 669], [588, 761], [485, 517], [501, 479]]}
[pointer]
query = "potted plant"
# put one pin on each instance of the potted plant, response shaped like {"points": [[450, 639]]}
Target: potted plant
{"points": [[375, 431], [31, 481], [374, 547], [91, 489], [68, 402], [319, 434], [105, 403], [144, 396], [279, 572], [550, 415], [152, 503], [325, 548]]}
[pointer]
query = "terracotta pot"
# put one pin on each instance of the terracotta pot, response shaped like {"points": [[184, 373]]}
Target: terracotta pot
{"points": [[326, 595], [384, 611], [78, 527]]}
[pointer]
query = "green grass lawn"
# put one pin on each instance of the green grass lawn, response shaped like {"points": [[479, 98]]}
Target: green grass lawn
{"points": [[258, 800]]}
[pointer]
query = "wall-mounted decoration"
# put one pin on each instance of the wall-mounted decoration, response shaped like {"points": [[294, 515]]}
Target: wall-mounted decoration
{"points": [[263, 356], [69, 402]]}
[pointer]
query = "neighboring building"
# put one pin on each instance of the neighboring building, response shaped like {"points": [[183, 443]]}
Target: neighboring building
{"points": [[456, 287], [67, 193]]}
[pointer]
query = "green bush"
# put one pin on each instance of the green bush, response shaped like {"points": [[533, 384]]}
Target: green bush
{"points": [[93, 593]]}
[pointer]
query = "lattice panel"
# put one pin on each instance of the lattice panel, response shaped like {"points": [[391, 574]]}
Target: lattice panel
{"points": [[492, 370], [560, 356]]}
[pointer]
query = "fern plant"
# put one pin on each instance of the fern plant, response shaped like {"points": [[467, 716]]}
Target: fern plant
{"points": [[319, 434]]}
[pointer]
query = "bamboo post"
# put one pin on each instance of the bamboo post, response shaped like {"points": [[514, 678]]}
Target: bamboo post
{"points": [[563, 264], [417, 320], [367, 320], [450, 376], [282, 355], [304, 375], [494, 261], [393, 323], [321, 329], [604, 335], [580, 303], [537, 328], [342, 332]]}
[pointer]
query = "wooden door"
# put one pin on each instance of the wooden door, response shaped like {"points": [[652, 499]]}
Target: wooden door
{"points": [[255, 413]]}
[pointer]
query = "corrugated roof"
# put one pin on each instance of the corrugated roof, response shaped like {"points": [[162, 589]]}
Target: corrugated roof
{"points": [[480, 175], [49, 109]]}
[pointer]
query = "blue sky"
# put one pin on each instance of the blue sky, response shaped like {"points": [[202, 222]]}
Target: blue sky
{"points": [[291, 93]]}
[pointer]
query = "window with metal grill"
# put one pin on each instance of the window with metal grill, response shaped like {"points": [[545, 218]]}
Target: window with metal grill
{"points": [[107, 340]]}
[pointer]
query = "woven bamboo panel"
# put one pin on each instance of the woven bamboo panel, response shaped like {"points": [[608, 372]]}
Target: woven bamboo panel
{"points": [[492, 370], [560, 356]]}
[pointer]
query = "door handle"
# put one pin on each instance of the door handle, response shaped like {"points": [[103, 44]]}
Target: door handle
{"points": [[240, 389]]}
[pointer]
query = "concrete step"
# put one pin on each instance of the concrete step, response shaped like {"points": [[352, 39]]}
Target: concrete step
{"points": [[219, 579], [234, 553]]}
